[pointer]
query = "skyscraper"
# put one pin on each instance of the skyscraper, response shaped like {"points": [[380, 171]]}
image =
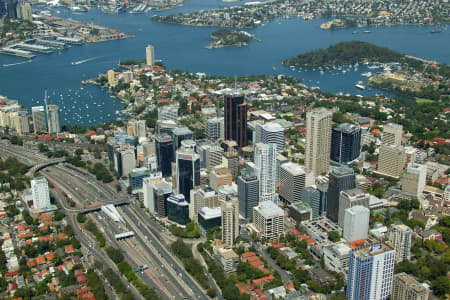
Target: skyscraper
{"points": [[178, 209], [341, 179], [273, 133], [40, 191], [38, 114], [230, 221], [164, 154], [11, 8], [313, 197], [268, 219], [292, 182], [345, 143], [150, 55], [318, 140], [414, 179], [128, 160], [53, 119], [214, 128], [370, 273], [136, 128], [350, 198], [2, 8], [180, 134], [21, 123], [400, 237], [392, 134], [188, 171], [213, 157], [236, 119], [266, 166], [248, 194], [356, 223], [391, 160]]}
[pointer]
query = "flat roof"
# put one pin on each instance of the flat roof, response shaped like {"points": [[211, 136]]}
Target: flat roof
{"points": [[268, 209], [293, 168]]}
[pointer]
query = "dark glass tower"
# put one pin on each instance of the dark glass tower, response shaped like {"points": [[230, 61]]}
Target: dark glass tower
{"points": [[164, 154], [248, 194], [341, 179], [345, 143], [236, 119], [188, 172], [11, 8]]}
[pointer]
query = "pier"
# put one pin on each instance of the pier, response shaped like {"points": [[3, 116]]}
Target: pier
{"points": [[71, 41], [17, 52], [51, 44], [34, 48]]}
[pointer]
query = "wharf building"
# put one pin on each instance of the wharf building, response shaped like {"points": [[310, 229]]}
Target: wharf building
{"points": [[345, 143], [236, 119]]}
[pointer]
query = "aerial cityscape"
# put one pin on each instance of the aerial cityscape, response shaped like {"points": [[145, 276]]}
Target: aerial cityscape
{"points": [[224, 149]]}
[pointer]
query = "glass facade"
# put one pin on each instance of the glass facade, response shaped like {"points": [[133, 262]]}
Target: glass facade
{"points": [[341, 179], [345, 143], [188, 174], [164, 155], [236, 119], [178, 210]]}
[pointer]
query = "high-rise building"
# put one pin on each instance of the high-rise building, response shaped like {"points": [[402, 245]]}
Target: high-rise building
{"points": [[209, 218], [111, 77], [318, 140], [400, 237], [370, 273], [128, 160], [356, 223], [340, 179], [136, 178], [268, 219], [350, 198], [273, 133], [202, 197], [248, 194], [21, 123], [188, 171], [219, 177], [391, 161], [26, 12], [345, 143], [137, 128], [406, 287], [266, 166], [392, 134], [447, 195], [164, 154], [214, 128], [414, 179], [314, 198], [230, 221], [40, 192], [150, 55], [180, 134], [11, 8], [213, 157], [178, 209], [39, 123], [236, 119], [292, 182], [53, 119], [2, 8], [230, 160], [168, 112]]}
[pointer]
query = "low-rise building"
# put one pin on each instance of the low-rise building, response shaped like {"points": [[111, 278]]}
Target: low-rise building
{"points": [[336, 257], [405, 287], [227, 258]]}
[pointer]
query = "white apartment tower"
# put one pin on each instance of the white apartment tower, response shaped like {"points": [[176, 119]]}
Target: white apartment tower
{"points": [[39, 123], [268, 219], [168, 112], [318, 140], [414, 179], [391, 161], [40, 191], [292, 182], [392, 134], [53, 119], [230, 221], [150, 55], [266, 170], [356, 223], [400, 237], [273, 133]]}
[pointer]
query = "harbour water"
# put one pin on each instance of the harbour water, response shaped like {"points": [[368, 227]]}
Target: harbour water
{"points": [[182, 47]]}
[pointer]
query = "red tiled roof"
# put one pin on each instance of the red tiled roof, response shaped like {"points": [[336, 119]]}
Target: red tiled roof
{"points": [[248, 254]]}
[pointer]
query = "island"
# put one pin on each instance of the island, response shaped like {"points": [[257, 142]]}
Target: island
{"points": [[229, 38]]}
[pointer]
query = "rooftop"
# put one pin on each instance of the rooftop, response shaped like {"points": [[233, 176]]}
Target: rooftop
{"points": [[210, 213], [372, 250], [293, 168], [347, 128], [268, 209], [273, 127]]}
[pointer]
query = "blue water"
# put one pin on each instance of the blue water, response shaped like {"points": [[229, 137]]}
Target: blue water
{"points": [[182, 47]]}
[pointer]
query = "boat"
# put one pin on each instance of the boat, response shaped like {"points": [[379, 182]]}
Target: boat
{"points": [[366, 74], [435, 31], [360, 86], [367, 31]]}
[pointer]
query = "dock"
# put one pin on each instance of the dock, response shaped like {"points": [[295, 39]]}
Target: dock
{"points": [[33, 48], [50, 44], [70, 41], [17, 52]]}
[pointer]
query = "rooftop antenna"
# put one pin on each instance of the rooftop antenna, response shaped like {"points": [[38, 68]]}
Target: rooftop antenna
{"points": [[46, 110], [235, 84]]}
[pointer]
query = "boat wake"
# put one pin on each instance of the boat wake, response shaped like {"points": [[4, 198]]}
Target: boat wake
{"points": [[15, 64], [84, 60]]}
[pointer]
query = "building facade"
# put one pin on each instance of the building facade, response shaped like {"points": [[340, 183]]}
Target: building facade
{"points": [[188, 172], [400, 237], [39, 123], [236, 119], [268, 219], [273, 133], [150, 55], [53, 119], [292, 182], [164, 154], [266, 167], [230, 221], [405, 287], [248, 194], [356, 223], [318, 140], [40, 192], [345, 143], [340, 179]]}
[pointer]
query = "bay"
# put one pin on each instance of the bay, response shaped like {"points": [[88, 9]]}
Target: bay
{"points": [[182, 47]]}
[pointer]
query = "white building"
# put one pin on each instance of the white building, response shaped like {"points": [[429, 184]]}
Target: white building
{"points": [[292, 182], [273, 133], [391, 161], [39, 123], [414, 179], [215, 128], [268, 219], [336, 257], [53, 119], [266, 170], [392, 134], [150, 55], [168, 112], [350, 198], [128, 161], [318, 140], [400, 237], [230, 221], [227, 258], [370, 273], [40, 191], [356, 223], [21, 123]]}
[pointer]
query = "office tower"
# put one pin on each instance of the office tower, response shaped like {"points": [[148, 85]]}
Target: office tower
{"points": [[312, 196], [137, 128], [40, 192], [292, 182], [318, 140], [11, 8], [236, 119], [168, 112], [2, 8], [21, 123], [202, 197], [178, 209], [266, 166], [230, 221], [165, 127], [345, 143], [180, 134], [248, 194], [136, 178], [156, 193], [340, 179], [214, 128], [150, 55], [128, 161], [406, 287], [400, 237], [350, 198], [414, 179], [282, 160], [268, 219], [53, 119], [39, 123], [273, 133], [209, 218], [392, 134], [391, 161], [213, 156], [356, 223], [111, 77], [188, 171], [164, 154], [370, 273], [220, 176], [27, 12], [151, 162]]}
